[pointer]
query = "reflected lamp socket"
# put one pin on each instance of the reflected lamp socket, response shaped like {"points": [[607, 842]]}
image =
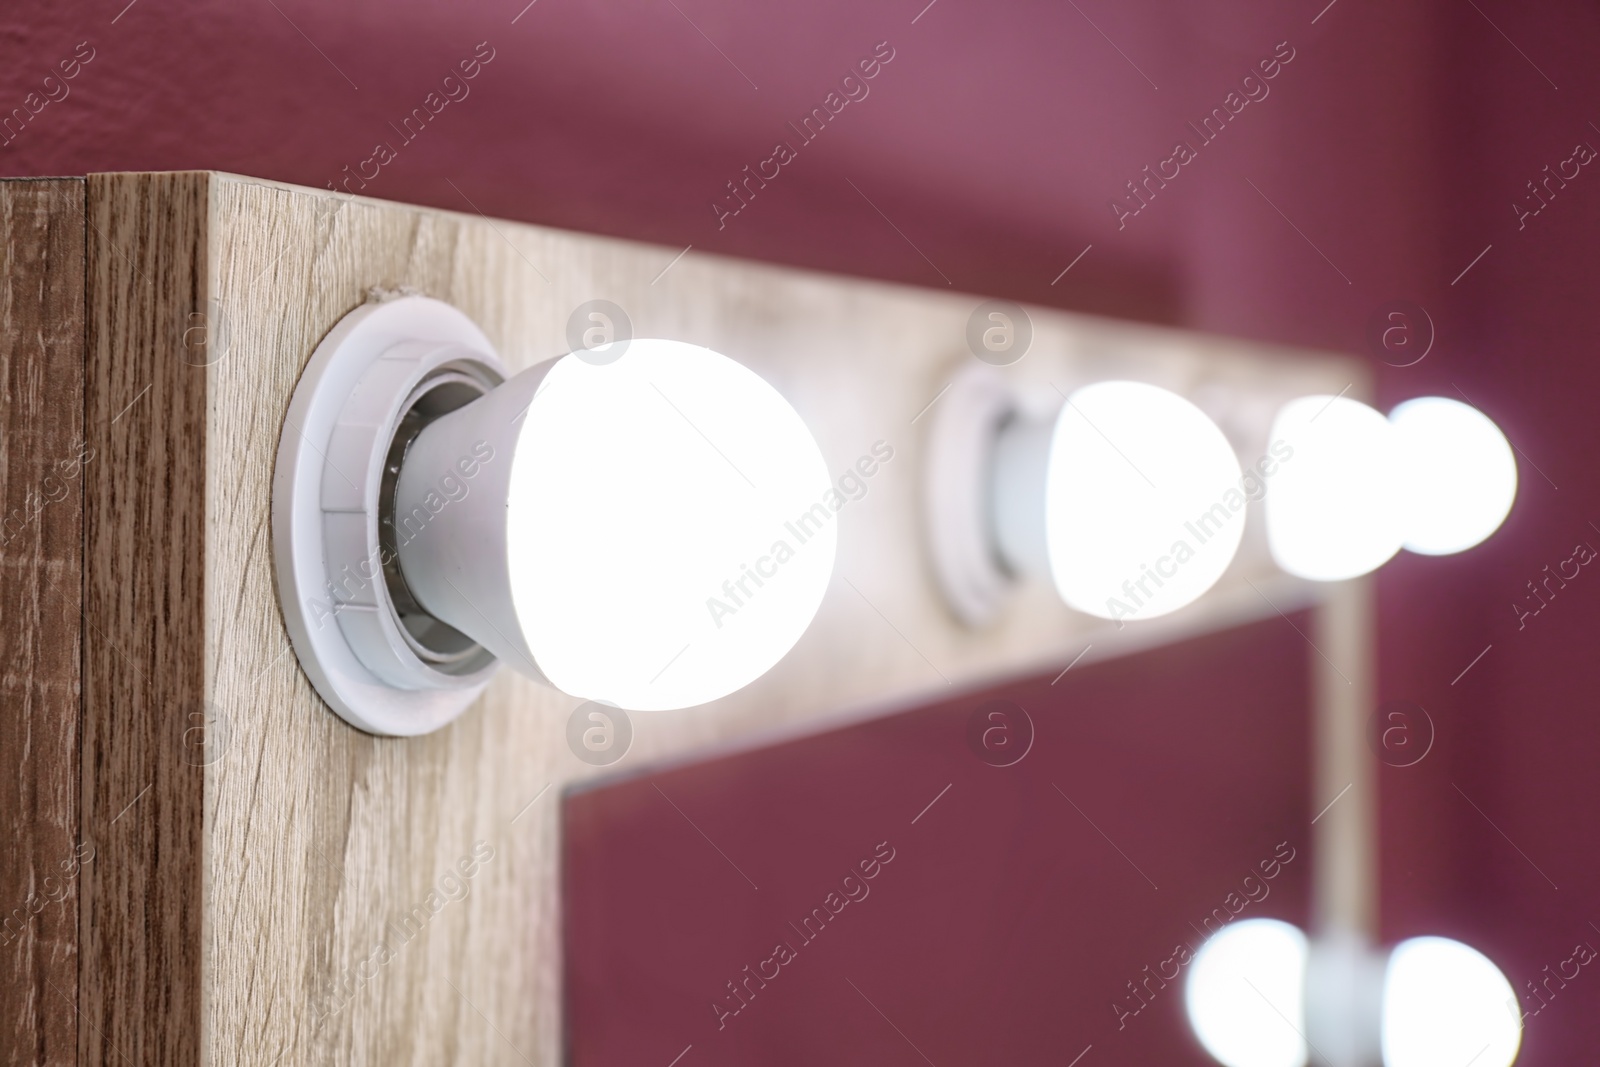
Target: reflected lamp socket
{"points": [[435, 518]]}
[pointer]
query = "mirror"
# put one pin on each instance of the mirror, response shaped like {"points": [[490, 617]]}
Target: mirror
{"points": [[999, 877]]}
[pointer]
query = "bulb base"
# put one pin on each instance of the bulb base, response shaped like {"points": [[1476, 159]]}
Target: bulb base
{"points": [[1019, 478], [450, 517]]}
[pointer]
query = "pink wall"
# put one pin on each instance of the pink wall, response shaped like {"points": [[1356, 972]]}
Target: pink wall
{"points": [[1396, 141], [994, 139]]}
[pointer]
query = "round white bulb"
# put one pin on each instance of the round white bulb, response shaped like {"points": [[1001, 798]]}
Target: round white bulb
{"points": [[1144, 506], [1245, 994], [671, 526], [1334, 507], [652, 527], [1458, 473], [1445, 1004]]}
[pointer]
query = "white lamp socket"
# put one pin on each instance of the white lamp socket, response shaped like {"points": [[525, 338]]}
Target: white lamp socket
{"points": [[383, 372]]}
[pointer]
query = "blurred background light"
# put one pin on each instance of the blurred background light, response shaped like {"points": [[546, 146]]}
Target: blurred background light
{"points": [[1446, 1004], [1143, 506], [1246, 994], [1333, 510], [1457, 473]]}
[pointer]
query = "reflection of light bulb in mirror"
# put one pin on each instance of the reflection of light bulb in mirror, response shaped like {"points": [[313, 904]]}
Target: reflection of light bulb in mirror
{"points": [[1457, 471], [1245, 994], [1446, 1004], [1143, 507], [1333, 510], [655, 530]]}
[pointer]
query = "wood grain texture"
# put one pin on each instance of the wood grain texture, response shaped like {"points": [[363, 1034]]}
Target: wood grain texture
{"points": [[338, 929], [41, 534], [144, 659]]}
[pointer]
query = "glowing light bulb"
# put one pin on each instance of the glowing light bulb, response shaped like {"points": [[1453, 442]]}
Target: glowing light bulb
{"points": [[1334, 509], [646, 524], [1446, 1004], [1458, 475], [1143, 502], [662, 534], [1245, 994]]}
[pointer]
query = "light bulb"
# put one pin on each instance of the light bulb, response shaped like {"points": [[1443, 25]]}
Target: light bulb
{"points": [[1445, 1004], [1245, 994], [1457, 471], [654, 530], [1143, 504], [645, 524], [1126, 497], [1333, 510]]}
